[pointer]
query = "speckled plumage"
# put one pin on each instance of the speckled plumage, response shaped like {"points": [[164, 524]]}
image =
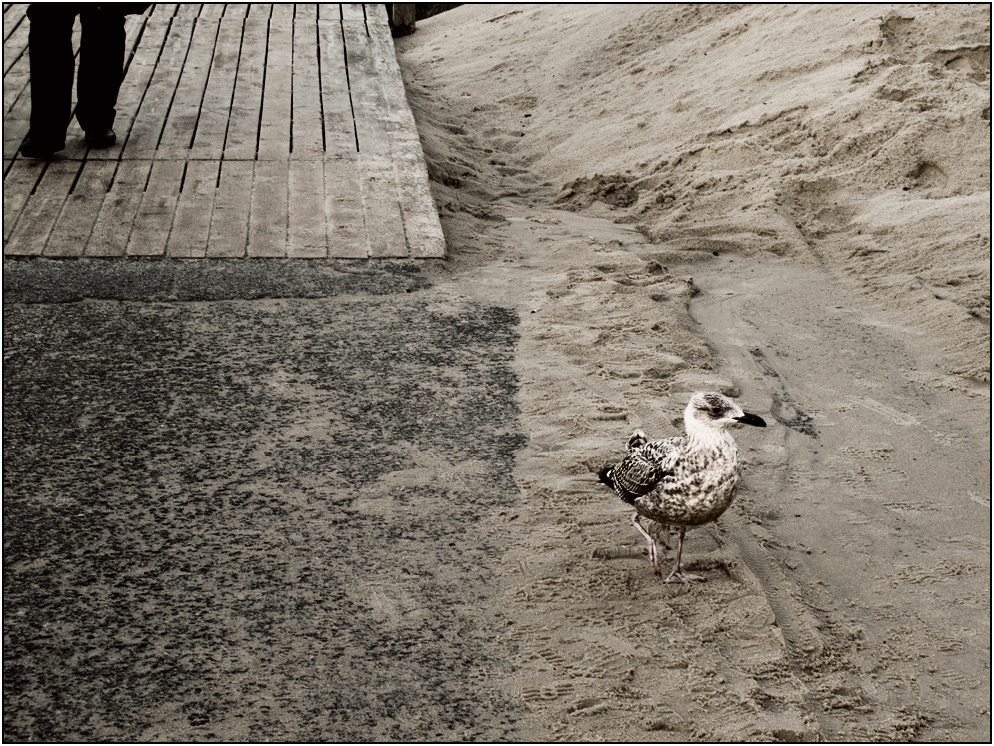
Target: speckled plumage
{"points": [[687, 480]]}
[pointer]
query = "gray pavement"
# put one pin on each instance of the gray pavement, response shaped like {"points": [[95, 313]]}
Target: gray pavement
{"points": [[246, 501]]}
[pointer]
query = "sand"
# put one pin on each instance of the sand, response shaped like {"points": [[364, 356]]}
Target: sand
{"points": [[788, 204]]}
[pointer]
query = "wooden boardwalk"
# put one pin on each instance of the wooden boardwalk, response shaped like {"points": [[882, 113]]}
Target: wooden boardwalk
{"points": [[243, 131]]}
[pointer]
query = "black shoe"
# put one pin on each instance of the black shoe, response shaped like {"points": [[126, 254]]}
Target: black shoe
{"points": [[102, 138], [32, 148]]}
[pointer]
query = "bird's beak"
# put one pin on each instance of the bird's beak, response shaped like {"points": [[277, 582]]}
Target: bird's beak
{"points": [[751, 419]]}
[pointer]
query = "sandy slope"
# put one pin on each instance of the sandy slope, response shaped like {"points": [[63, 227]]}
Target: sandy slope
{"points": [[788, 204], [857, 136]]}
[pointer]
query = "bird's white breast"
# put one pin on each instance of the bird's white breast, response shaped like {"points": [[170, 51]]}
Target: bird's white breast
{"points": [[700, 485]]}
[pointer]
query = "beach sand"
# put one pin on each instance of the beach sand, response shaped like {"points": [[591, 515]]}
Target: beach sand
{"points": [[790, 204]]}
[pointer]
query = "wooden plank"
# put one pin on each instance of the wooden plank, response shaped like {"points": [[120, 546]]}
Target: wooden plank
{"points": [[157, 209], [117, 213], [15, 45], [343, 207], [192, 222], [339, 126], [133, 31], [15, 81], [376, 14], [164, 11], [42, 210], [383, 54], [422, 227], [381, 207], [305, 12], [211, 11], [308, 237], [274, 125], [330, 12], [208, 142], [181, 122], [16, 124], [150, 120], [14, 15], [243, 126], [395, 115], [282, 13], [232, 206], [18, 184], [79, 214], [307, 135], [353, 12], [368, 101], [260, 11], [268, 219], [136, 81], [234, 11], [188, 10]]}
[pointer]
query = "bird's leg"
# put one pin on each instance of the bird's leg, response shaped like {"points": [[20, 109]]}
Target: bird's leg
{"points": [[677, 576], [653, 555]]}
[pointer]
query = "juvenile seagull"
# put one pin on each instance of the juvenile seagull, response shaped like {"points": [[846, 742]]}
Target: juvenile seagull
{"points": [[684, 481]]}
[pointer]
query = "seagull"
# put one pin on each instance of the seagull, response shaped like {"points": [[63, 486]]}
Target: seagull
{"points": [[685, 481]]}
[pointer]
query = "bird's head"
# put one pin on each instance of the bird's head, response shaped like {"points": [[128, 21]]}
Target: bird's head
{"points": [[709, 411]]}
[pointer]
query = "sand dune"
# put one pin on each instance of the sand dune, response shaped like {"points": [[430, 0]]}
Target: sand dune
{"points": [[854, 135], [787, 203]]}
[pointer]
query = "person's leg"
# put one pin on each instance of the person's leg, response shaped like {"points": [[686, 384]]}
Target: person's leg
{"points": [[52, 67], [101, 68]]}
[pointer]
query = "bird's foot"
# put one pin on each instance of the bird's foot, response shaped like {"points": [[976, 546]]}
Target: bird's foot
{"points": [[684, 577]]}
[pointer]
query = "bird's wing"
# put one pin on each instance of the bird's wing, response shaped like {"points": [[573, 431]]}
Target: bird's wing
{"points": [[640, 471]]}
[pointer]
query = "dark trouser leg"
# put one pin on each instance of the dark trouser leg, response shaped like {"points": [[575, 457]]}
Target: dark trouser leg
{"points": [[52, 68], [101, 68]]}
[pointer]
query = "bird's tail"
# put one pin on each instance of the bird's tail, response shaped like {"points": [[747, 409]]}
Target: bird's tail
{"points": [[638, 439], [606, 477]]}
